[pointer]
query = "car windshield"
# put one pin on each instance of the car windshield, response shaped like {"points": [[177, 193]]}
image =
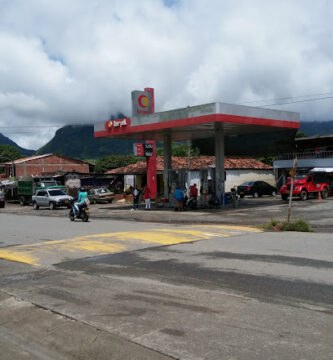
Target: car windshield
{"points": [[248, 183], [300, 177], [102, 191], [56, 192], [48, 183]]}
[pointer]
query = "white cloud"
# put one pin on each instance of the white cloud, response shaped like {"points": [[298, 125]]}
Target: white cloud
{"points": [[76, 62]]}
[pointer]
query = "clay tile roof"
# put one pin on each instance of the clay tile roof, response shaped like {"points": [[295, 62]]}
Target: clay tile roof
{"points": [[200, 162]]}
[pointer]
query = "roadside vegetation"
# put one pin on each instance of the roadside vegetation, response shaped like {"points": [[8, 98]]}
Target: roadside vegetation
{"points": [[297, 225]]}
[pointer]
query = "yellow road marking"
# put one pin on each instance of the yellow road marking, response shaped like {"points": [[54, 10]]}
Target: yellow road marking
{"points": [[18, 257], [109, 243]]}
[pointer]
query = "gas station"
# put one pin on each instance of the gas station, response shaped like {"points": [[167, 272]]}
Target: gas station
{"points": [[217, 120]]}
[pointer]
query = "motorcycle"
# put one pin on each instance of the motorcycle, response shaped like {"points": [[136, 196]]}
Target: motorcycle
{"points": [[192, 203], [83, 214]]}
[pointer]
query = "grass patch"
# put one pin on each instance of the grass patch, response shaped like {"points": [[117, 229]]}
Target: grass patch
{"points": [[297, 225]]}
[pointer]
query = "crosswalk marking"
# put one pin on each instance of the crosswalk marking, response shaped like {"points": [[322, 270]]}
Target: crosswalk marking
{"points": [[52, 252]]}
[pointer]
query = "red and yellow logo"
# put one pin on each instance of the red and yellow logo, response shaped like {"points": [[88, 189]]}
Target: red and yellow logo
{"points": [[143, 101]]}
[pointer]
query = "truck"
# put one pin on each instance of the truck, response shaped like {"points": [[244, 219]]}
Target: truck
{"points": [[26, 188], [306, 185]]}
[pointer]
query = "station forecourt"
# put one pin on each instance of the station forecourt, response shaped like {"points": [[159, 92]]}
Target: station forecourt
{"points": [[217, 120]]}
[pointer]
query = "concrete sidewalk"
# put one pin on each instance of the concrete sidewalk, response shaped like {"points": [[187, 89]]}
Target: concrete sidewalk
{"points": [[249, 212]]}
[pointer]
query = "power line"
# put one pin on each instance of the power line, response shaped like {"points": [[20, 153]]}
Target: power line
{"points": [[31, 127], [287, 98], [298, 101]]}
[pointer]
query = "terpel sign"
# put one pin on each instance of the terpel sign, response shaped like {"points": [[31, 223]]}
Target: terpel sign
{"points": [[119, 123], [142, 102]]}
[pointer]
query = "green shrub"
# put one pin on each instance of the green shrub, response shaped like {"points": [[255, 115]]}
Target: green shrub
{"points": [[298, 225]]}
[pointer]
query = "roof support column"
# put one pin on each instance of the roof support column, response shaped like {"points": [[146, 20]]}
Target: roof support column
{"points": [[167, 163], [219, 163]]}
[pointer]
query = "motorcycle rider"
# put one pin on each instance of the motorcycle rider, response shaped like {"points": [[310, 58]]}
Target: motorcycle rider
{"points": [[83, 195]]}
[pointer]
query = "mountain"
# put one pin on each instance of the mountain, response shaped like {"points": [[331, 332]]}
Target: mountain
{"points": [[312, 128], [6, 141], [78, 141]]}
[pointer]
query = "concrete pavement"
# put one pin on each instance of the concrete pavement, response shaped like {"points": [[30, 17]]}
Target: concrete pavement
{"points": [[200, 291], [249, 212]]}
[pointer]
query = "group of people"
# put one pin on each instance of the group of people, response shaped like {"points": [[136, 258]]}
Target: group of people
{"points": [[181, 197], [136, 197]]}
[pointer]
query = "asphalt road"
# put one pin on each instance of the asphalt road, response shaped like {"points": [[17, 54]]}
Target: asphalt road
{"points": [[112, 289]]}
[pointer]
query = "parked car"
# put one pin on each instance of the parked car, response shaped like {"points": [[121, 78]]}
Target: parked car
{"points": [[100, 195], [52, 198], [2, 200], [256, 189]]}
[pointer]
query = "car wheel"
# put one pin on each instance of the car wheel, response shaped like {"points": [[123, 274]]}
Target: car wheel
{"points": [[324, 193], [36, 207], [284, 197], [256, 194], [303, 195], [52, 206], [273, 193], [109, 201], [241, 196]]}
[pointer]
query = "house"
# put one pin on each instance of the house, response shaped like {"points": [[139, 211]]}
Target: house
{"points": [[39, 165], [238, 170], [313, 153]]}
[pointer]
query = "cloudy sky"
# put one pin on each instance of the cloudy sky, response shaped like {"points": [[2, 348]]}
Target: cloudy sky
{"points": [[77, 61]]}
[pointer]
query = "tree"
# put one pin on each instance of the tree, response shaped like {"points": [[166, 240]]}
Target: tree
{"points": [[9, 153], [179, 150], [300, 134], [114, 161]]}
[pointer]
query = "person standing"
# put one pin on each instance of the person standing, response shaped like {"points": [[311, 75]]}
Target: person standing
{"points": [[136, 197], [146, 195], [179, 196]]}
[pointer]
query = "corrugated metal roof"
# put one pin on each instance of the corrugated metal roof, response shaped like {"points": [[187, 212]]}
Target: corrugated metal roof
{"points": [[36, 157], [29, 158]]}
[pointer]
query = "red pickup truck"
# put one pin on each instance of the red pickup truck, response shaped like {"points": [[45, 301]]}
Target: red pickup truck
{"points": [[305, 185]]}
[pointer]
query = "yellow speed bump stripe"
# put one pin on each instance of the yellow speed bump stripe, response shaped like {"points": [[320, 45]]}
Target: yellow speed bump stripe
{"points": [[52, 252]]}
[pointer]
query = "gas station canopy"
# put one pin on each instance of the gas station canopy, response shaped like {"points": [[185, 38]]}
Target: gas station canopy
{"points": [[199, 122]]}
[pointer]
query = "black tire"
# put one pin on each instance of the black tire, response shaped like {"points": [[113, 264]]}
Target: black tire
{"points": [[241, 196], [284, 197], [324, 193], [71, 215], [109, 201], [85, 217], [303, 195], [255, 194], [52, 205], [36, 207], [22, 200]]}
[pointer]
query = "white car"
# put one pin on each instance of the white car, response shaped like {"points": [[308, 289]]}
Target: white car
{"points": [[52, 198]]}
